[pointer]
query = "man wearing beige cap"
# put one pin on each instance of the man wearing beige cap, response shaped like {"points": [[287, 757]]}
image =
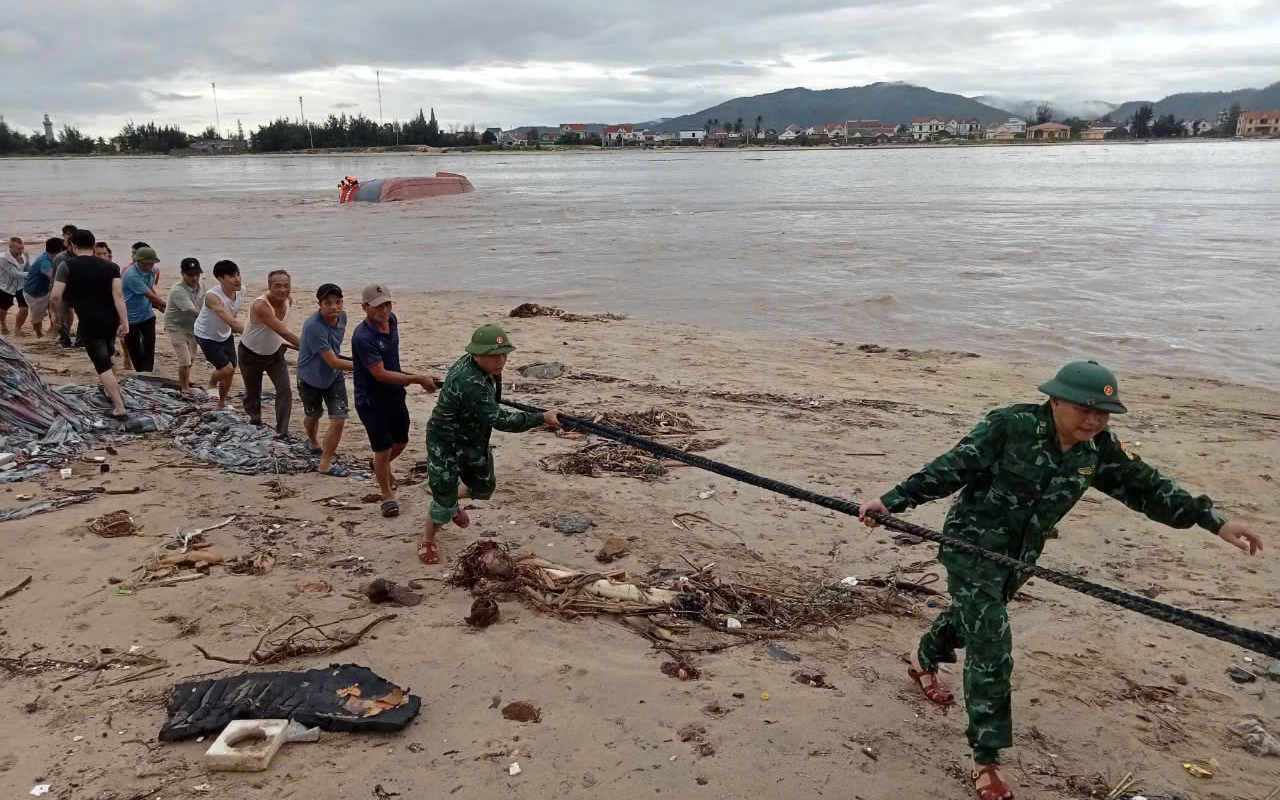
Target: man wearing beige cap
{"points": [[380, 387], [141, 299]]}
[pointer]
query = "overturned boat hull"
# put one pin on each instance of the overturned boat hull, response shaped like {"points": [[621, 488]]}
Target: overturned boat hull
{"points": [[390, 190]]}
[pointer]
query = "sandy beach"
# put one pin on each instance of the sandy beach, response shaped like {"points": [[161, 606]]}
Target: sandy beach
{"points": [[1099, 692]]}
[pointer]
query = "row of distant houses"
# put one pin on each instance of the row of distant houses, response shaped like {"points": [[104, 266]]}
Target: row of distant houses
{"points": [[1251, 124]]}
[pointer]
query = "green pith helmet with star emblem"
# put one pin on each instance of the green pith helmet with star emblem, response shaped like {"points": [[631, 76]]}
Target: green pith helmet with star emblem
{"points": [[1088, 384], [490, 340]]}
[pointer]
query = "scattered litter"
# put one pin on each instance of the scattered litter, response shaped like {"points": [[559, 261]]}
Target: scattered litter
{"points": [[1256, 738], [117, 523], [298, 636], [65, 473], [381, 590], [605, 458], [77, 738], [40, 789], [849, 581], [1202, 769], [809, 676], [526, 310], [514, 769], [732, 624], [522, 711], [652, 423], [1241, 675], [258, 562], [203, 788], [332, 699], [682, 667], [23, 497], [249, 745], [543, 372], [22, 512], [1274, 671], [707, 495], [576, 523], [484, 612], [612, 549], [764, 696], [692, 733], [780, 653], [314, 588]]}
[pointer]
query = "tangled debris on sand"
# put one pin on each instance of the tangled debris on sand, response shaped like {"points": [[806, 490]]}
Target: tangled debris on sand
{"points": [[526, 310], [669, 601]]}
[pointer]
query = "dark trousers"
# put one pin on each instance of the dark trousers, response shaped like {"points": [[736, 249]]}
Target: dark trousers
{"points": [[252, 368], [141, 344]]}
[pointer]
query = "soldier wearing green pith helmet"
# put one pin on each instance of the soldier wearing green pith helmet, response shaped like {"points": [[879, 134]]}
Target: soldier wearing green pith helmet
{"points": [[1018, 473], [458, 435]]}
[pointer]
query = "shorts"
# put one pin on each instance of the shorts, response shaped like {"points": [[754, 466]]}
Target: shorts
{"points": [[6, 300], [100, 351], [316, 401], [39, 308], [446, 465], [386, 422], [219, 354], [184, 346]]}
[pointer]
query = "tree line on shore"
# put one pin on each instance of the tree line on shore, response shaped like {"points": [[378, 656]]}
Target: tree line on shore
{"points": [[339, 131]]}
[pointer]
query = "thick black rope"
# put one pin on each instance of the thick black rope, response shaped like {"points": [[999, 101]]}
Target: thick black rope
{"points": [[1257, 641]]}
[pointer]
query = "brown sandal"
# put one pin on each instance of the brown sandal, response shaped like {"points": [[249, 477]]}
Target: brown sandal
{"points": [[936, 692], [997, 789], [428, 553]]}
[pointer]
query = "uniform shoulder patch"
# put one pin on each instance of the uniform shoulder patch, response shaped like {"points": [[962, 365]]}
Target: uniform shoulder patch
{"points": [[1125, 450]]}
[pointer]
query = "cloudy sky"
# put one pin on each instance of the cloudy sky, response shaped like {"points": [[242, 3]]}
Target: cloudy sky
{"points": [[98, 63]]}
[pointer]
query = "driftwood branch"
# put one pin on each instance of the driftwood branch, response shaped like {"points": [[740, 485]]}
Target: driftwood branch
{"points": [[11, 592], [270, 650]]}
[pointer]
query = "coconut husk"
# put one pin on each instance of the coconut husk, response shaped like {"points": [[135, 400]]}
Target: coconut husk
{"points": [[117, 523]]}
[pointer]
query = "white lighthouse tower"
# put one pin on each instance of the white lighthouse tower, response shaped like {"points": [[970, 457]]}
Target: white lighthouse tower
{"points": [[48, 129]]}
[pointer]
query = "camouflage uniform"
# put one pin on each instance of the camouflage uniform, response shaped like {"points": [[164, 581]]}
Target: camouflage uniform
{"points": [[1015, 484], [466, 413]]}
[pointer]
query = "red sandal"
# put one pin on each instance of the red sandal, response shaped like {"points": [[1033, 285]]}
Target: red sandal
{"points": [[997, 789], [428, 553], [936, 692], [461, 519]]}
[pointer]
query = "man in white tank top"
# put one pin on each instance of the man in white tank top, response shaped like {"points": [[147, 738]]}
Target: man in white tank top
{"points": [[216, 327], [262, 350]]}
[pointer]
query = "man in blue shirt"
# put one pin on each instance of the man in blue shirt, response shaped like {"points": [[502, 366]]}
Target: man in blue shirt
{"points": [[141, 300], [321, 384], [39, 285], [380, 387]]}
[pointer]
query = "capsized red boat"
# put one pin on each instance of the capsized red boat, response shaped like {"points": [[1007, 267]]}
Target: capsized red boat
{"points": [[389, 190]]}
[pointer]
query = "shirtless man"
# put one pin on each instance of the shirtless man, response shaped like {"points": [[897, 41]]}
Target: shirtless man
{"points": [[262, 350]]}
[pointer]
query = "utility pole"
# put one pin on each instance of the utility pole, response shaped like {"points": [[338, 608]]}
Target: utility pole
{"points": [[378, 74], [303, 117], [216, 116]]}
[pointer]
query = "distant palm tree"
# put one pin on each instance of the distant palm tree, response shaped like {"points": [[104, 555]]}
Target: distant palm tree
{"points": [[706, 126], [737, 126], [759, 124]]}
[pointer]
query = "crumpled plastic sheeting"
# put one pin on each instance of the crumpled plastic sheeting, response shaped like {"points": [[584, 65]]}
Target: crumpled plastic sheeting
{"points": [[1256, 738], [22, 512], [46, 427], [311, 698], [226, 439]]}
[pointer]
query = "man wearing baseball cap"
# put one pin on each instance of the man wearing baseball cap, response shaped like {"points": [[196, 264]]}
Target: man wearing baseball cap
{"points": [[186, 298], [380, 387], [458, 434], [141, 300], [1019, 472], [321, 383]]}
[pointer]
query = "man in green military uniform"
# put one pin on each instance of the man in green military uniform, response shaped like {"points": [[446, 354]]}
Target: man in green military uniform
{"points": [[458, 434], [1018, 473]]}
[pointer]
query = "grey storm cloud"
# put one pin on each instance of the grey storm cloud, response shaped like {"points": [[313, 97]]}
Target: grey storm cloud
{"points": [[616, 61]]}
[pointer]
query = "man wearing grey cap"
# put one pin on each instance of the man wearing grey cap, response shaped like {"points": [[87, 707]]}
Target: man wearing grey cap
{"points": [[380, 387], [186, 298]]}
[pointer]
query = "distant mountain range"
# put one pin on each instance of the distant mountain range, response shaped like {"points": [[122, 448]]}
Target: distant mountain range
{"points": [[887, 102], [1084, 109], [1205, 105], [900, 102]]}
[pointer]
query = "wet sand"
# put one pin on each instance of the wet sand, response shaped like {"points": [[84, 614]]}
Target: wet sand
{"points": [[795, 409]]}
